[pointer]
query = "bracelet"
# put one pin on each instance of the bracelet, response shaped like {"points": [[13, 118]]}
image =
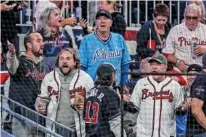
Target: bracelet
{"points": [[177, 61]]}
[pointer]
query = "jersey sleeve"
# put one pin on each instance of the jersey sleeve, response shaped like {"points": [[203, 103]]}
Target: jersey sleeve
{"points": [[125, 55], [179, 96], [83, 53], [198, 89], [170, 43], [136, 95]]}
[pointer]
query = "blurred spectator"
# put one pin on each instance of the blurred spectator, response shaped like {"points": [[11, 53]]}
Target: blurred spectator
{"points": [[185, 43], [102, 111], [42, 5], [5, 117], [152, 35], [9, 29], [196, 120], [27, 73], [72, 86], [135, 11], [130, 110], [4, 70], [192, 69], [202, 7], [158, 97], [145, 66], [181, 121], [118, 23], [55, 38], [104, 46]]}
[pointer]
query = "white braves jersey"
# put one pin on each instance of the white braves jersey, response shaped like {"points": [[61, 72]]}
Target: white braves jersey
{"points": [[157, 103], [178, 42]]}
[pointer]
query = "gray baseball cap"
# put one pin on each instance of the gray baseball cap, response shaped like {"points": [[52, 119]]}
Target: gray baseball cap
{"points": [[160, 58]]}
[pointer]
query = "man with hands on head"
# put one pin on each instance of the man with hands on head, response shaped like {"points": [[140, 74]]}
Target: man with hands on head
{"points": [[62, 93]]}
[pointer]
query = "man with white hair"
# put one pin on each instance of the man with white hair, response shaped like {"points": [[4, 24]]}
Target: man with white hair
{"points": [[186, 42]]}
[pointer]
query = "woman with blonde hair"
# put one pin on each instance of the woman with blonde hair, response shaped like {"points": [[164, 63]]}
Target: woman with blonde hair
{"points": [[55, 37]]}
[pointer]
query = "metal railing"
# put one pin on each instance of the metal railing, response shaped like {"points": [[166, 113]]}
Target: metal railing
{"points": [[23, 117], [135, 12]]}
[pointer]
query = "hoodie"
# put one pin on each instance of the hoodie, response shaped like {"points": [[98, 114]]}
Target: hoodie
{"points": [[26, 77], [144, 35]]}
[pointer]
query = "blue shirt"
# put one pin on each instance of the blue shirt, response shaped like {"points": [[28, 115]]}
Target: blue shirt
{"points": [[94, 51]]}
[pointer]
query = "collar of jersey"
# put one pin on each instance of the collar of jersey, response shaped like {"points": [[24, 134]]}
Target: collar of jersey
{"points": [[95, 33]]}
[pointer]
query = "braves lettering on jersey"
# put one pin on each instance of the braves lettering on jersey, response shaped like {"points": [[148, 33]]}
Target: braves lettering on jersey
{"points": [[93, 52], [101, 106], [178, 42], [157, 103]]}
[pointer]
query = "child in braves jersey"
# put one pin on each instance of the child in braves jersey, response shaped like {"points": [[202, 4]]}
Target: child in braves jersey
{"points": [[102, 107]]}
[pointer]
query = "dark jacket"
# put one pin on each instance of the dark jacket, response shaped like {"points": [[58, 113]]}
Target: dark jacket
{"points": [[119, 24], [25, 83], [9, 29], [143, 36], [53, 45], [56, 42]]}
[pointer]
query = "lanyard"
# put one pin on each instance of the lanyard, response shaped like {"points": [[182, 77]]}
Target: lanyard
{"points": [[56, 39]]}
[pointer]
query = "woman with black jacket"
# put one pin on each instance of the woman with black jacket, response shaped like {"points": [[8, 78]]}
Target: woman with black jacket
{"points": [[153, 33]]}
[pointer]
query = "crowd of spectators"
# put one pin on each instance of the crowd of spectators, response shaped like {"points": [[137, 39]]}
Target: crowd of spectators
{"points": [[81, 88]]}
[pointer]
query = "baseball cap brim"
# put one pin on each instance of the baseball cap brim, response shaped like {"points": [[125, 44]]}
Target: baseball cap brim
{"points": [[103, 14], [156, 60]]}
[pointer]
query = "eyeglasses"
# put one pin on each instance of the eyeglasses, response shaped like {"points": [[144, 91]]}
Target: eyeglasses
{"points": [[191, 17]]}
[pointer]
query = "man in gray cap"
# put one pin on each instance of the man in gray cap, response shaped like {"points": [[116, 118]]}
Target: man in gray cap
{"points": [[158, 97], [196, 124]]}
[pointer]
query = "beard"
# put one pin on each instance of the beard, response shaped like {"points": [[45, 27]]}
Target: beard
{"points": [[37, 53], [65, 69]]}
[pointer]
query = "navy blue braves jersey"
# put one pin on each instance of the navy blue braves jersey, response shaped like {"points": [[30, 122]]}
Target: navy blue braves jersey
{"points": [[101, 106], [198, 90]]}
